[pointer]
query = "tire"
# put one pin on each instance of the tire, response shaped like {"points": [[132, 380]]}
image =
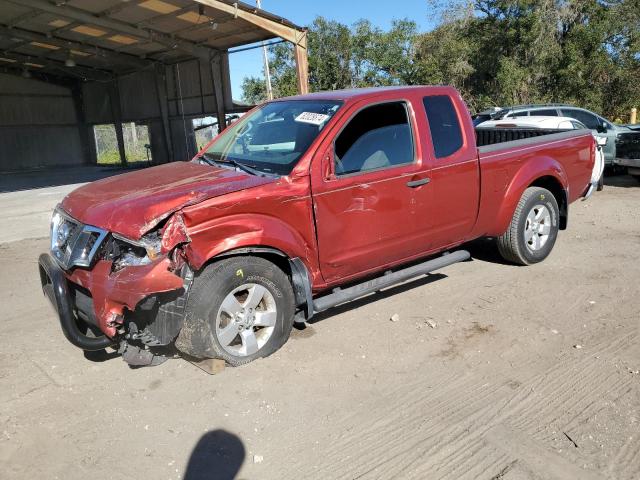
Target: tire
{"points": [[217, 283], [637, 177], [539, 205]]}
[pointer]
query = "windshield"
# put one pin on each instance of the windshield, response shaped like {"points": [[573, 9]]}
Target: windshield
{"points": [[274, 137]]}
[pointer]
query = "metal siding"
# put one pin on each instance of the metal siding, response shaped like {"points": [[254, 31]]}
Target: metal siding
{"points": [[96, 102], [184, 147], [36, 110], [37, 125], [20, 85], [187, 78], [31, 147], [138, 96]]}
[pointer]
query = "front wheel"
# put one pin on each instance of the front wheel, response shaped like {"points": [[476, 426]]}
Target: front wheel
{"points": [[533, 229], [247, 305]]}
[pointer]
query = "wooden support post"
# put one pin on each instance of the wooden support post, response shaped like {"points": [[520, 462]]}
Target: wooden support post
{"points": [[634, 113], [218, 89], [87, 137], [161, 90], [116, 115], [302, 63]]}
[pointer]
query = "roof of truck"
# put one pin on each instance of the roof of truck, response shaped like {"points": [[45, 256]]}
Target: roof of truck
{"points": [[355, 93]]}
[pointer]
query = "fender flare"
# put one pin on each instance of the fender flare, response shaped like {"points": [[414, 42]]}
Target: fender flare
{"points": [[300, 279], [535, 169]]}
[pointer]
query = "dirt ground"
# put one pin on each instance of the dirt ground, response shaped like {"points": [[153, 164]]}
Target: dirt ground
{"points": [[492, 372]]}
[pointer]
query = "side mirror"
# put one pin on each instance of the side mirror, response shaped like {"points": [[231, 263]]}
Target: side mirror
{"points": [[602, 128]]}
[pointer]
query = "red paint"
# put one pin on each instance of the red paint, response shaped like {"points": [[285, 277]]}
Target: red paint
{"points": [[340, 227], [133, 203], [113, 292]]}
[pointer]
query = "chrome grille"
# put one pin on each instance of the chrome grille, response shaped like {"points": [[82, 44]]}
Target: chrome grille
{"points": [[74, 244]]}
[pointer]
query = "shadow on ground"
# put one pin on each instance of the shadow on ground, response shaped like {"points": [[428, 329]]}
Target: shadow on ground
{"points": [[218, 455], [485, 250], [380, 295], [625, 181], [55, 177]]}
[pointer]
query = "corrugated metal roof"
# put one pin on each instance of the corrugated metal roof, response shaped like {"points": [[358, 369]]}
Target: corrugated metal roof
{"points": [[106, 37]]}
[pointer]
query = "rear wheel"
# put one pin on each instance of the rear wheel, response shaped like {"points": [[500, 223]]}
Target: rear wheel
{"points": [[533, 229], [248, 304]]}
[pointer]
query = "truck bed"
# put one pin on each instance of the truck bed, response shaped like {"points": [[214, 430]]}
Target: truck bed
{"points": [[493, 135], [506, 168]]}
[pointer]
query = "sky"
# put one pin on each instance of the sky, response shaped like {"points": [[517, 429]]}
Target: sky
{"points": [[302, 12]]}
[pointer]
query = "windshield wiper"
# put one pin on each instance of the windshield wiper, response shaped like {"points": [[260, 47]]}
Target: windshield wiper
{"points": [[229, 161]]}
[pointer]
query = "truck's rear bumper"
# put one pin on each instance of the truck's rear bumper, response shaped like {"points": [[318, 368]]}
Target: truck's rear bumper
{"points": [[56, 288]]}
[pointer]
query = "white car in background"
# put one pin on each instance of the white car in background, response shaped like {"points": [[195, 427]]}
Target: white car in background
{"points": [[547, 123], [553, 123]]}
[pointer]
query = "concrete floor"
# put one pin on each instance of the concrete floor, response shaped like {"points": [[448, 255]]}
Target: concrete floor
{"points": [[27, 199]]}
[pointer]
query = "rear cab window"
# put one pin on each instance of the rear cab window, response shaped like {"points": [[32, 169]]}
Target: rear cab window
{"points": [[444, 125], [377, 137]]}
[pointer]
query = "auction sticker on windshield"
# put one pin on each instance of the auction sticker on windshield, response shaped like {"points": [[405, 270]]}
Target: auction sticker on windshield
{"points": [[312, 118]]}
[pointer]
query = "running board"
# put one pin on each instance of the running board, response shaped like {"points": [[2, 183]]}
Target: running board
{"points": [[340, 296]]}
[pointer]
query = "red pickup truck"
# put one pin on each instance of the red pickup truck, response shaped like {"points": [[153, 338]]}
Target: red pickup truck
{"points": [[303, 204]]}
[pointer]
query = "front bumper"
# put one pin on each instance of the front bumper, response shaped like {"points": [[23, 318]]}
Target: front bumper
{"points": [[56, 288]]}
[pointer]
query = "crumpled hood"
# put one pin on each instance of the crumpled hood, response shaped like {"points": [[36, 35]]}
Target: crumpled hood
{"points": [[133, 203]]}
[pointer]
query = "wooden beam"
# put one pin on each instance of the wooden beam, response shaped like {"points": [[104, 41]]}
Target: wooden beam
{"points": [[116, 25], [93, 51], [218, 90], [302, 65], [294, 35], [74, 72], [279, 29], [30, 15], [116, 116], [87, 138], [161, 90]]}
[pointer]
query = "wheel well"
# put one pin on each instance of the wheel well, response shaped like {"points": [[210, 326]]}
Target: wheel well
{"points": [[275, 256], [555, 187], [294, 268]]}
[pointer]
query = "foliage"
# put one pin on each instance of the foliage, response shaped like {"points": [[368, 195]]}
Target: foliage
{"points": [[496, 52]]}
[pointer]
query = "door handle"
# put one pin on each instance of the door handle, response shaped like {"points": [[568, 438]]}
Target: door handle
{"points": [[418, 183]]}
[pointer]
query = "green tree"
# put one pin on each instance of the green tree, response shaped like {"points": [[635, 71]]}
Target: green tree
{"points": [[496, 52]]}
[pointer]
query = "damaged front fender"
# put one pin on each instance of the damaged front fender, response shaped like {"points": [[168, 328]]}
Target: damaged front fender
{"points": [[112, 292]]}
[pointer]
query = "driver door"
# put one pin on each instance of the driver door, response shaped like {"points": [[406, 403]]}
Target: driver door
{"points": [[367, 199]]}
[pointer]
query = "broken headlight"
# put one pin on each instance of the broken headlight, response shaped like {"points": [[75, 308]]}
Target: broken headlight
{"points": [[125, 252]]}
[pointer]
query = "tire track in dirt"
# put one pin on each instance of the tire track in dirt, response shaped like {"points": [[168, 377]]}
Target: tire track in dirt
{"points": [[451, 442]]}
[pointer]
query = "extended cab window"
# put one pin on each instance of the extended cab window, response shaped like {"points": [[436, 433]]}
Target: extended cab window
{"points": [[376, 137], [273, 137], [444, 125]]}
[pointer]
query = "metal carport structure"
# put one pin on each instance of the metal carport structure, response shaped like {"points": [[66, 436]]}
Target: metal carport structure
{"points": [[112, 61]]}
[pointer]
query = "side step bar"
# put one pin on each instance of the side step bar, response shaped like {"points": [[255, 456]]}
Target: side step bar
{"points": [[340, 296]]}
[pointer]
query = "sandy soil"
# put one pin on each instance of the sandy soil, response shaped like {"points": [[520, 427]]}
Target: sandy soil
{"points": [[492, 372]]}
